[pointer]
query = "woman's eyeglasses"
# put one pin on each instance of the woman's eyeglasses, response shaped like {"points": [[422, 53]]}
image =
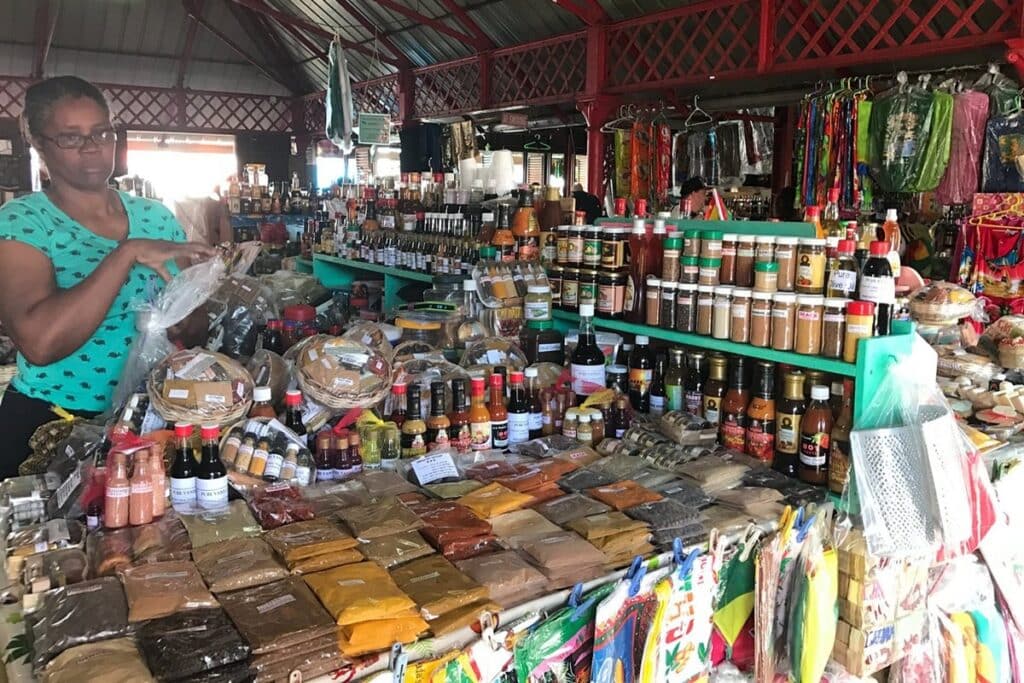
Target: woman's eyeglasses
{"points": [[77, 141]]}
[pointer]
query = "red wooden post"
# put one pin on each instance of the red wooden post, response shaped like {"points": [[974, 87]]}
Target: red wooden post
{"points": [[596, 106]]}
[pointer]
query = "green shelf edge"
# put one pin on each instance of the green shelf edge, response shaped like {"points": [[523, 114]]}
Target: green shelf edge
{"points": [[374, 268], [829, 365]]}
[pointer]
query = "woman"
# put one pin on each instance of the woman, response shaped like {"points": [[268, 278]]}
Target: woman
{"points": [[73, 260]]}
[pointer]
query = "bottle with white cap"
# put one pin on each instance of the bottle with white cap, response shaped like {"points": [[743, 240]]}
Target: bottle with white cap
{"points": [[587, 360], [891, 234], [262, 403], [639, 268]]}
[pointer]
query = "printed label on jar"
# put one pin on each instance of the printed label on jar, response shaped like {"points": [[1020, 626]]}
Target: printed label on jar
{"points": [[734, 431], [834, 317], [586, 379], [711, 409], [858, 330], [588, 293], [810, 271], [739, 310], [787, 434], [880, 290], [761, 439], [693, 403], [808, 315], [744, 252], [640, 380], [480, 434], [674, 396], [592, 252], [609, 298], [537, 310], [570, 293], [814, 449], [549, 348], [657, 406], [499, 434], [462, 439], [842, 281]]}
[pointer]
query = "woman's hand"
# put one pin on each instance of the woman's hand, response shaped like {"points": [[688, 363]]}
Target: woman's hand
{"points": [[156, 253]]}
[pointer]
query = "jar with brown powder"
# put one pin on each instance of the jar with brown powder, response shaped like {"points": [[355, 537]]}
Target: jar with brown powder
{"points": [[653, 301], [833, 328], [764, 249], [783, 321], [745, 261], [686, 307], [760, 319], [739, 325], [727, 272], [705, 309], [808, 324], [722, 318], [785, 256]]}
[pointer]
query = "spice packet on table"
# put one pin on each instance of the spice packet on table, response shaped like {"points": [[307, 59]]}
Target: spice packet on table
{"points": [[453, 490], [75, 615], [618, 467], [396, 549], [303, 540], [687, 429], [506, 575], [747, 498], [547, 492], [319, 563], [309, 664], [489, 470], [623, 494], [583, 479], [359, 592], [568, 507], [651, 478], [210, 526], [385, 484], [661, 515], [448, 521], [159, 589], [515, 528], [338, 496], [51, 535], [278, 616], [563, 550], [108, 660], [494, 499], [380, 634], [436, 586], [238, 563], [186, 645], [383, 518], [54, 568], [462, 617], [685, 492], [713, 473], [464, 548], [578, 455], [544, 447], [280, 504], [605, 524]]}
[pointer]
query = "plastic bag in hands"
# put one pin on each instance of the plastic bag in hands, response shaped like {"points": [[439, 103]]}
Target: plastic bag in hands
{"points": [[182, 295]]}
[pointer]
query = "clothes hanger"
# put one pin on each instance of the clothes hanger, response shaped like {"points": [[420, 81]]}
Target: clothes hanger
{"points": [[698, 119], [626, 115], [536, 145]]}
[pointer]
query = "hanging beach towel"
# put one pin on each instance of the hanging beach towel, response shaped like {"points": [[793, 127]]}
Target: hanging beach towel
{"points": [[733, 638], [338, 104]]}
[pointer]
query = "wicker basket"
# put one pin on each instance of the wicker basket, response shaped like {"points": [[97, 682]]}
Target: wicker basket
{"points": [[7, 373], [372, 386], [940, 314]]}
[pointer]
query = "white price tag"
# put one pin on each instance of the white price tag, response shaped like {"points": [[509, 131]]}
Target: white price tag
{"points": [[432, 467]]}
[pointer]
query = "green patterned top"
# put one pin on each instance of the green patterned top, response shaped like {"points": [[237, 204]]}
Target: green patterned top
{"points": [[85, 380]]}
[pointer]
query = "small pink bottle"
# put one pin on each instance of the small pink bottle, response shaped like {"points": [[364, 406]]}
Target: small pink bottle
{"points": [[159, 476], [118, 490], [140, 510]]}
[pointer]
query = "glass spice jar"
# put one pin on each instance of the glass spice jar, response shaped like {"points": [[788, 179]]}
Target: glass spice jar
{"points": [[727, 271], [808, 324], [611, 293], [562, 244], [766, 277], [691, 243], [570, 289], [739, 323], [711, 244], [705, 309], [574, 251], [708, 273], [613, 247], [810, 266], [745, 261], [537, 304], [764, 249], [689, 270], [833, 327], [653, 302], [670, 259], [720, 322], [785, 257], [783, 321], [760, 319], [588, 287], [555, 283], [667, 317], [592, 246], [686, 307]]}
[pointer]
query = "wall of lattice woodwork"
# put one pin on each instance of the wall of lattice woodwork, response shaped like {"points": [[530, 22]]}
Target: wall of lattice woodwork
{"points": [[726, 39]]}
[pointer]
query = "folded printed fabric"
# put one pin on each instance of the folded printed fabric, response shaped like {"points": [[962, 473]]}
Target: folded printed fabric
{"points": [[448, 521], [568, 507], [606, 524], [222, 524], [380, 634], [494, 499], [359, 592], [436, 586], [562, 550], [303, 540], [238, 563], [310, 663], [109, 661], [505, 575], [277, 615], [186, 645], [393, 550], [514, 528], [665, 514], [383, 518], [159, 589], [318, 563], [462, 617], [82, 613], [623, 494]]}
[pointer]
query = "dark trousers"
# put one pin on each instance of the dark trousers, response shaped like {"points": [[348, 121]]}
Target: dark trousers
{"points": [[20, 416]]}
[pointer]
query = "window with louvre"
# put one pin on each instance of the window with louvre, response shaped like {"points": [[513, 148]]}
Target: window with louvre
{"points": [[534, 168], [580, 171]]}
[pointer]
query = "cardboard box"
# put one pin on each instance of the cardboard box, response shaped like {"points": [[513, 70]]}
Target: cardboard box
{"points": [[874, 591], [865, 652]]}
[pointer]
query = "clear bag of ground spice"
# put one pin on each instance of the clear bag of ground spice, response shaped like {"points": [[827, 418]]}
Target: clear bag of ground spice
{"points": [[211, 526], [509, 578], [109, 661], [383, 518], [605, 524], [572, 506], [238, 563], [336, 497], [447, 521], [359, 592], [278, 616], [619, 466], [493, 500], [302, 540], [562, 551], [453, 490], [436, 586], [396, 549], [515, 528], [280, 504], [319, 563], [385, 484], [160, 589], [186, 645], [623, 494], [665, 514], [584, 479]]}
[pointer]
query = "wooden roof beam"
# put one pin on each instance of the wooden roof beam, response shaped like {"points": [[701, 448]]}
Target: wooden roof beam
{"points": [[190, 37], [467, 22], [589, 12], [435, 24], [45, 27]]}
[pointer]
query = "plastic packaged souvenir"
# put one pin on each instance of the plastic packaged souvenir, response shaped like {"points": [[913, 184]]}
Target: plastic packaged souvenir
{"points": [[368, 522], [188, 645], [199, 386], [54, 568], [269, 370], [359, 592], [814, 609], [238, 563], [160, 589], [112, 661], [51, 535], [942, 303], [960, 182], [211, 526], [279, 504], [278, 616], [437, 587], [239, 306], [340, 373], [900, 128], [395, 549], [492, 352]]}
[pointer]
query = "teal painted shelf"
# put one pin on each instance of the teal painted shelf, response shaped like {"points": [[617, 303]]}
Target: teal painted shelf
{"points": [[373, 268], [303, 265], [777, 229], [829, 365], [339, 273]]}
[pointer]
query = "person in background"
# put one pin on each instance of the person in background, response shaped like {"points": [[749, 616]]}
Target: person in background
{"points": [[587, 202], [74, 259], [696, 191]]}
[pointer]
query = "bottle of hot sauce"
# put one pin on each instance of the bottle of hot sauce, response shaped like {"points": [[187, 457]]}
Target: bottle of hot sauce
{"points": [[788, 414], [479, 417], [498, 413], [414, 428], [458, 433], [398, 404], [438, 424], [760, 439], [816, 438], [733, 427], [140, 510], [714, 389], [518, 410]]}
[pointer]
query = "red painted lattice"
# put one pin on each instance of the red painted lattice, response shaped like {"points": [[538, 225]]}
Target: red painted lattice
{"points": [[237, 112], [833, 33], [379, 96], [684, 45], [12, 96], [447, 88], [142, 107], [552, 70], [314, 113]]}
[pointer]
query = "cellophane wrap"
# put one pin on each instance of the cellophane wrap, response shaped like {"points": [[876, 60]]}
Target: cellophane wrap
{"points": [[970, 113], [237, 309], [200, 386]]}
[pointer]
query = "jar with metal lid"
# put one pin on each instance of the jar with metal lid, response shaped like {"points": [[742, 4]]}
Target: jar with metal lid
{"points": [[588, 287], [555, 283], [574, 251], [653, 301], [617, 377], [670, 259], [766, 277], [833, 327], [711, 244], [562, 244], [760, 319], [705, 309], [691, 242], [570, 289], [764, 249], [611, 293], [810, 266], [667, 317], [613, 247], [570, 422], [689, 270], [708, 272], [727, 272], [808, 324], [745, 261], [537, 304], [721, 319], [785, 256], [783, 321], [597, 424], [686, 307], [739, 321], [592, 246]]}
